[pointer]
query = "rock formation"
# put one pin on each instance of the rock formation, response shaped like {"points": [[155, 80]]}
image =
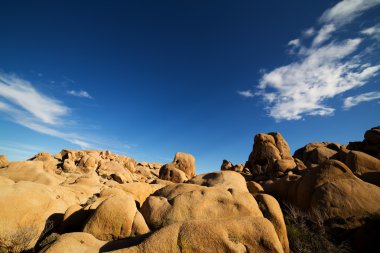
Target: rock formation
{"points": [[270, 155], [97, 201], [181, 169]]}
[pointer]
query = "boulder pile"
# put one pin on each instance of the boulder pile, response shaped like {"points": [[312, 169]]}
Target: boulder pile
{"points": [[98, 201]]}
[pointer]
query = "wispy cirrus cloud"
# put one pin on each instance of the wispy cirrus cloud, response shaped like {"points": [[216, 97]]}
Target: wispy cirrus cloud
{"points": [[246, 93], [26, 106], [373, 31], [79, 93], [21, 93], [365, 97], [346, 11], [327, 65]]}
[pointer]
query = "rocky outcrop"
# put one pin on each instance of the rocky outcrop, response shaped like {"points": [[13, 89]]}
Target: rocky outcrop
{"points": [[270, 155], [28, 207], [31, 171], [332, 188], [181, 169], [361, 157], [371, 142], [181, 202], [225, 179], [75, 243], [93, 199], [317, 152], [115, 218], [272, 211], [3, 161], [226, 165], [243, 234], [254, 188]]}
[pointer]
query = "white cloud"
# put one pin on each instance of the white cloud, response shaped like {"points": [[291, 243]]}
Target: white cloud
{"points": [[346, 11], [246, 93], [309, 32], [373, 31], [30, 108], [328, 67], [365, 97], [79, 93], [324, 34], [294, 43], [21, 93], [302, 87]]}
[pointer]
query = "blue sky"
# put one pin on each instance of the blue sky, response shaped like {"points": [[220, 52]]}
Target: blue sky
{"points": [[149, 78]]}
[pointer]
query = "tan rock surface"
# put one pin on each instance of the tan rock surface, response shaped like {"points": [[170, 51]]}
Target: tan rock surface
{"points": [[182, 202], [226, 179], [116, 218], [330, 187], [272, 211], [243, 234], [171, 173], [31, 171], [181, 163], [3, 161], [75, 243], [254, 188], [140, 191], [28, 206], [270, 154]]}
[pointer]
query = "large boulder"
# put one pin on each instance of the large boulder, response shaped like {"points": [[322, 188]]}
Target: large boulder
{"points": [[240, 234], [115, 170], [362, 165], [226, 165], [3, 161], [181, 169], [272, 211], [226, 179], [27, 208], [270, 155], [33, 171], [331, 187], [50, 162], [140, 191], [115, 218], [75, 243], [171, 173], [371, 143], [181, 202], [254, 188], [316, 153]]}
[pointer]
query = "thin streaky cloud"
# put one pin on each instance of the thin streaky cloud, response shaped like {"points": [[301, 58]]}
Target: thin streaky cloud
{"points": [[246, 93], [38, 114], [356, 100], [294, 43], [373, 32], [26, 106], [346, 11], [79, 93], [22, 94]]}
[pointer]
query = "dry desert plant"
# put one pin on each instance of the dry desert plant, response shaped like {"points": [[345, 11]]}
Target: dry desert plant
{"points": [[19, 239]]}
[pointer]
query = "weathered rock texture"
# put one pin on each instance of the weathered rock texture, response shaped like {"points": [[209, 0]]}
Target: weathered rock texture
{"points": [[270, 155], [331, 188], [181, 169], [104, 202], [245, 234], [181, 202]]}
